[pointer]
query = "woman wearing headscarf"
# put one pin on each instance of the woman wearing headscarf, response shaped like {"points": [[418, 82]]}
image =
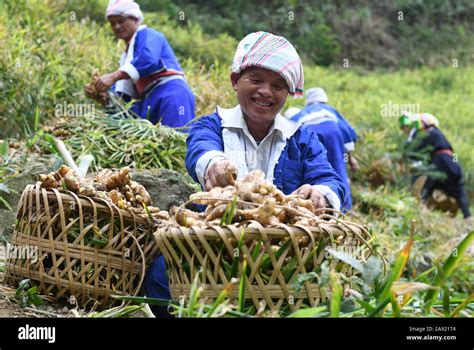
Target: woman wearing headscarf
{"points": [[253, 135], [149, 70]]}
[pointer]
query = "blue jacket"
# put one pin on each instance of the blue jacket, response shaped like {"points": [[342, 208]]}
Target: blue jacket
{"points": [[330, 136], [348, 133], [302, 161], [152, 53]]}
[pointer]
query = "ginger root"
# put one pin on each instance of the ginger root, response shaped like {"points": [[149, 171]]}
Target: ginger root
{"points": [[256, 199], [115, 187], [118, 179]]}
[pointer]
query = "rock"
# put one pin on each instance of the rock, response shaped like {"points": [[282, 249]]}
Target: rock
{"points": [[31, 168], [166, 187], [7, 220]]}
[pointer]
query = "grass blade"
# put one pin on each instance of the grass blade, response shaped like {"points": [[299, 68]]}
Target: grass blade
{"points": [[221, 297], [146, 300], [266, 262], [194, 295], [395, 306], [309, 312], [336, 295], [461, 306], [398, 267], [448, 268], [446, 297], [243, 276], [235, 261]]}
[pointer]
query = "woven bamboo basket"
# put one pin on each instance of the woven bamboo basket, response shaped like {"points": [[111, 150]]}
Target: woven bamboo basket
{"points": [[85, 248], [206, 253]]}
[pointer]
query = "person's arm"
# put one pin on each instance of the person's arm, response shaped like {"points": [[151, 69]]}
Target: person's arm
{"points": [[107, 80], [350, 138], [147, 52], [420, 147], [205, 147], [348, 132], [146, 60], [353, 163]]}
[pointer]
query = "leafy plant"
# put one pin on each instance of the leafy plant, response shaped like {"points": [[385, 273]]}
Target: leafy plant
{"points": [[448, 268], [120, 139], [117, 312], [26, 294]]}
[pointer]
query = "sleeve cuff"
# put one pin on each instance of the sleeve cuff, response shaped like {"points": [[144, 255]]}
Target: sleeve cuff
{"points": [[350, 146], [207, 160], [131, 71], [330, 195]]}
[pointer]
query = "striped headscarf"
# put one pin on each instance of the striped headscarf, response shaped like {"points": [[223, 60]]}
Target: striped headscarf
{"points": [[127, 8], [275, 53]]}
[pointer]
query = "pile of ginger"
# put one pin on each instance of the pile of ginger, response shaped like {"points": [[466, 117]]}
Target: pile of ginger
{"points": [[116, 187], [255, 199]]}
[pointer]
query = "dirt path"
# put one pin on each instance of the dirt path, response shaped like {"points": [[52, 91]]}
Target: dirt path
{"points": [[7, 307]]}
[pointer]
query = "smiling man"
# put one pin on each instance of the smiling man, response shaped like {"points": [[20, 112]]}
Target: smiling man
{"points": [[253, 135]]}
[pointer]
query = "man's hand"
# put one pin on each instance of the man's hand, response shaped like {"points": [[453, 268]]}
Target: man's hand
{"points": [[310, 192], [107, 80], [221, 173], [353, 163], [90, 91], [100, 97]]}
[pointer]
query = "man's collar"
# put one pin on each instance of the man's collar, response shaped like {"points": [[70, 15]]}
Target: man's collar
{"points": [[233, 118]]}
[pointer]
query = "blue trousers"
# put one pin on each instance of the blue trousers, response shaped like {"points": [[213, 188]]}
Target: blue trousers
{"points": [[171, 104], [156, 280], [157, 285]]}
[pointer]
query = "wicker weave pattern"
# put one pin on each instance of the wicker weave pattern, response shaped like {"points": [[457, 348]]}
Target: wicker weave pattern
{"points": [[187, 250], [62, 227]]}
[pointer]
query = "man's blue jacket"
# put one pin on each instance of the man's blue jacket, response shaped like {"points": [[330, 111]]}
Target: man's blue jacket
{"points": [[302, 161]]}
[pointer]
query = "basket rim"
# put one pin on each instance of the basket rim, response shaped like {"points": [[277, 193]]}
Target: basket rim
{"points": [[271, 232], [68, 196]]}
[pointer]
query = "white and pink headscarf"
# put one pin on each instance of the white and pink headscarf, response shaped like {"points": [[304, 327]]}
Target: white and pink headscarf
{"points": [[317, 94], [127, 8], [265, 50]]}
